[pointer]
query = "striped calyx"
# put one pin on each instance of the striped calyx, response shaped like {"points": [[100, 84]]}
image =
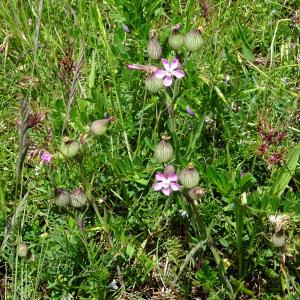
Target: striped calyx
{"points": [[279, 239], [78, 198], [163, 150], [62, 197], [69, 148], [193, 40], [189, 177], [99, 127], [154, 49], [153, 84], [176, 40], [22, 250]]}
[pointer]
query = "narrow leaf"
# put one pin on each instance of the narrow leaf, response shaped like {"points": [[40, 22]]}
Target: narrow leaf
{"points": [[285, 173]]}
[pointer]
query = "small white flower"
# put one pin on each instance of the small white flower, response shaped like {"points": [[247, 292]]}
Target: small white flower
{"points": [[67, 297], [280, 221], [183, 213], [208, 120], [113, 285]]}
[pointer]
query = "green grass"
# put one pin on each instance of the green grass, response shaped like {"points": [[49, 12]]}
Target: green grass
{"points": [[243, 84]]}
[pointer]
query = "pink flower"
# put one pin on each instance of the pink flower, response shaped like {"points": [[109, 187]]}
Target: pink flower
{"points": [[46, 157], [167, 183], [190, 111], [171, 69]]}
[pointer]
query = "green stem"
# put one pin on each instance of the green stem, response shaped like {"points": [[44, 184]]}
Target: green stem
{"points": [[239, 214], [171, 103], [157, 227]]}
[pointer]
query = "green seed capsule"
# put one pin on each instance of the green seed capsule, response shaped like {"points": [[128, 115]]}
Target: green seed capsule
{"points": [[22, 250], [163, 151], [153, 84], [62, 197], [176, 40], [189, 177], [69, 148], [193, 40], [78, 198], [99, 127], [154, 49]]}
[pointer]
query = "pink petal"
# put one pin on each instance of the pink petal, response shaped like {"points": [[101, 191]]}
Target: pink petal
{"points": [[135, 67], [168, 81], [160, 177], [166, 64], [166, 192], [174, 64], [178, 73], [158, 186], [175, 186], [172, 177], [160, 74]]}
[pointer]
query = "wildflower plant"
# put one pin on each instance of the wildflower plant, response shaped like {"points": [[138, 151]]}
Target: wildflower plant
{"points": [[151, 180]]}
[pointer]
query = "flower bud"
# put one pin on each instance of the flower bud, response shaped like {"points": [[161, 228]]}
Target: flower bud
{"points": [[164, 150], [99, 127], [176, 39], [279, 239], [62, 197], [154, 49], [78, 198], [169, 169], [125, 28], [196, 193], [189, 177], [193, 40], [189, 111], [22, 250], [69, 148], [153, 84]]}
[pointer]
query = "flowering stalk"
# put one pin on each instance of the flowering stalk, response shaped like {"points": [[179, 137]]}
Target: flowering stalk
{"points": [[171, 103], [172, 123]]}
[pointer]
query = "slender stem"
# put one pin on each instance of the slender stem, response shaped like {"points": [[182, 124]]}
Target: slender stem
{"points": [[158, 223], [102, 221], [171, 103], [205, 238], [239, 213], [202, 227]]}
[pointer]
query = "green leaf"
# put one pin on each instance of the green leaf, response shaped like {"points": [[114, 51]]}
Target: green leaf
{"points": [[218, 178], [140, 180], [285, 173], [93, 71], [246, 182], [248, 53], [223, 242], [130, 250]]}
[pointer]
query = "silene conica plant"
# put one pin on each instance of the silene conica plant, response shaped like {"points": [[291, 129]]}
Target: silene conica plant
{"points": [[180, 180]]}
